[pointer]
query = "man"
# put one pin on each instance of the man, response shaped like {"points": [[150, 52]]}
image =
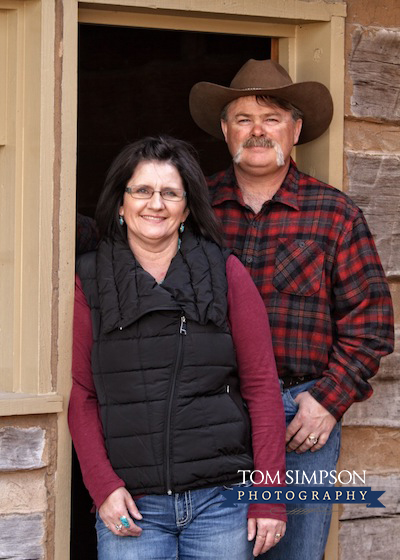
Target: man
{"points": [[312, 257]]}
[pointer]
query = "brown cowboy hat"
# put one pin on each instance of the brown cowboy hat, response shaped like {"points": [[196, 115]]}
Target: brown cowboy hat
{"points": [[263, 77]]}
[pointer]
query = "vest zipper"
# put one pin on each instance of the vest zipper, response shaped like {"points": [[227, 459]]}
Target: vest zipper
{"points": [[178, 362]]}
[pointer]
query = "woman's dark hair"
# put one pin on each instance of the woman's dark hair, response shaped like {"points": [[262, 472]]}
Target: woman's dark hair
{"points": [[183, 157]]}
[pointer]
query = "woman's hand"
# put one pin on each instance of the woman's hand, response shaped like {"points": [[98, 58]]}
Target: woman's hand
{"points": [[268, 532], [120, 504]]}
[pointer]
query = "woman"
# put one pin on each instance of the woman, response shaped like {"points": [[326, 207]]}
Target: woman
{"points": [[166, 325]]}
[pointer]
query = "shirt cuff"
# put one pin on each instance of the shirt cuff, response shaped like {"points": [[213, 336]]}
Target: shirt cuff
{"points": [[333, 396], [102, 494], [268, 511]]}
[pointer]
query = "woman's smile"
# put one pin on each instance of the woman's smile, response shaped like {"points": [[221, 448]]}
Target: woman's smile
{"points": [[153, 218]]}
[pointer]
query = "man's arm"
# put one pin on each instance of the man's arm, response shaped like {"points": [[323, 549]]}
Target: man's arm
{"points": [[362, 314], [363, 321]]}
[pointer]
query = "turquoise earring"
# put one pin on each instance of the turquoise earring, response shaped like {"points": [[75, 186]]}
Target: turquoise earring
{"points": [[181, 230], [121, 220]]}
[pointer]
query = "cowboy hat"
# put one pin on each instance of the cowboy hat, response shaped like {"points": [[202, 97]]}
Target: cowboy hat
{"points": [[263, 77]]}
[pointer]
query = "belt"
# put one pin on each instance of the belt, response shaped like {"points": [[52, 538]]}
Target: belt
{"points": [[288, 382]]}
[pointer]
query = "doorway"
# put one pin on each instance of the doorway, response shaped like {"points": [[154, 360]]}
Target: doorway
{"points": [[134, 82]]}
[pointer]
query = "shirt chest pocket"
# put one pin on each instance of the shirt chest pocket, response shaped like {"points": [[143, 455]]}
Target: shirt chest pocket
{"points": [[298, 267]]}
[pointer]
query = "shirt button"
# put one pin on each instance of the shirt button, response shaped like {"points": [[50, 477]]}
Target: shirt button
{"points": [[301, 244], [249, 259]]}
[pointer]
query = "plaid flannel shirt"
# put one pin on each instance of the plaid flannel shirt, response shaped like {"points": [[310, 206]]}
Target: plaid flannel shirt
{"points": [[313, 259]]}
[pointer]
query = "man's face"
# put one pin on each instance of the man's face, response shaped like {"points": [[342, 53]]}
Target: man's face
{"points": [[260, 137]]}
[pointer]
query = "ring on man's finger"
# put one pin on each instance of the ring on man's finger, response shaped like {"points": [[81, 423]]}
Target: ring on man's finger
{"points": [[118, 527], [278, 536], [124, 521], [312, 438]]}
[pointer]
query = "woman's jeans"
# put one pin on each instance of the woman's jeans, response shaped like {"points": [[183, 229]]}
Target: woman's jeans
{"points": [[308, 524], [186, 526]]}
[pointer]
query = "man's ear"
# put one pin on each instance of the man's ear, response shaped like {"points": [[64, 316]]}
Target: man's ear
{"points": [[224, 128], [297, 129]]}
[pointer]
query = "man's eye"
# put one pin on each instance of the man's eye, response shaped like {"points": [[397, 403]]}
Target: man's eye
{"points": [[243, 121]]}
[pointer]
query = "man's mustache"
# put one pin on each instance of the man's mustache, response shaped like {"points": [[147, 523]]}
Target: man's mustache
{"points": [[258, 142]]}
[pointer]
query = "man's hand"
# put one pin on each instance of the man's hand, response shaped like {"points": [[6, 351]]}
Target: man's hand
{"points": [[120, 504], [311, 421], [267, 532]]}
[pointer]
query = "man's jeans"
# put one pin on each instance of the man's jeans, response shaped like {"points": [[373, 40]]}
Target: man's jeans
{"points": [[189, 526], [306, 532]]}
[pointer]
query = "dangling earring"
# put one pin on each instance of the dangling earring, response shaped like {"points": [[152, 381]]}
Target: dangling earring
{"points": [[121, 220], [181, 230]]}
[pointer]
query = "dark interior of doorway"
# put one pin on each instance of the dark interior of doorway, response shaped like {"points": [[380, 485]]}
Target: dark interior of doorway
{"points": [[133, 83]]}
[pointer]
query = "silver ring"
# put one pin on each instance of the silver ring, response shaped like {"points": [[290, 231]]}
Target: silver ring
{"points": [[118, 527], [313, 439]]}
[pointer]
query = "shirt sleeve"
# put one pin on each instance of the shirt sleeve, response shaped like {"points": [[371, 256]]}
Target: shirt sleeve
{"points": [[259, 384], [83, 413], [363, 317]]}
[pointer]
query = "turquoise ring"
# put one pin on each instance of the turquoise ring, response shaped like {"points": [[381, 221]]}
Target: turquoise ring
{"points": [[124, 521]]}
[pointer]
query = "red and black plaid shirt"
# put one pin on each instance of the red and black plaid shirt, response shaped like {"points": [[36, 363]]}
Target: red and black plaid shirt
{"points": [[313, 259]]}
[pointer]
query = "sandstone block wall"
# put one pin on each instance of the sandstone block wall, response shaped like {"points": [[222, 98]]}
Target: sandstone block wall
{"points": [[371, 436], [27, 466]]}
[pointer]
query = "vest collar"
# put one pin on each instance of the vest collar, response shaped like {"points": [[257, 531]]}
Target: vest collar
{"points": [[195, 284]]}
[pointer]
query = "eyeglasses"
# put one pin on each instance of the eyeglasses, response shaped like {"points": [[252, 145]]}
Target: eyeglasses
{"points": [[171, 195]]}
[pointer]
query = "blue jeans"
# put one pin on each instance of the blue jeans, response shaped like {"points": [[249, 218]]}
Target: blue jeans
{"points": [[307, 531], [185, 526]]}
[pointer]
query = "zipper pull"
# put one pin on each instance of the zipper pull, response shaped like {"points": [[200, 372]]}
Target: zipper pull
{"points": [[182, 328], [228, 389]]}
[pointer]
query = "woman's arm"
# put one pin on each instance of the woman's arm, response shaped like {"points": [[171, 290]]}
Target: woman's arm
{"points": [[83, 413], [260, 389], [106, 488]]}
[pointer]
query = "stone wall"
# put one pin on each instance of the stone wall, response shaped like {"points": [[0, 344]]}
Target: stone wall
{"points": [[27, 465], [371, 438]]}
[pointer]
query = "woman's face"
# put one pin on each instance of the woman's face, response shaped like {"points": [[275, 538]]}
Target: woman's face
{"points": [[154, 220]]}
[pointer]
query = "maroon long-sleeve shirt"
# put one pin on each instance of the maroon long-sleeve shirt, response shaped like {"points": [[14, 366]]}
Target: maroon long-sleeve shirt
{"points": [[258, 382]]}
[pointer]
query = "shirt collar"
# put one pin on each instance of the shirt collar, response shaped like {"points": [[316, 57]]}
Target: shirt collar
{"points": [[287, 193], [228, 189]]}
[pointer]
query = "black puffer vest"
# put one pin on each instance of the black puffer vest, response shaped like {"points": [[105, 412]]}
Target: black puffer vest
{"points": [[164, 368]]}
